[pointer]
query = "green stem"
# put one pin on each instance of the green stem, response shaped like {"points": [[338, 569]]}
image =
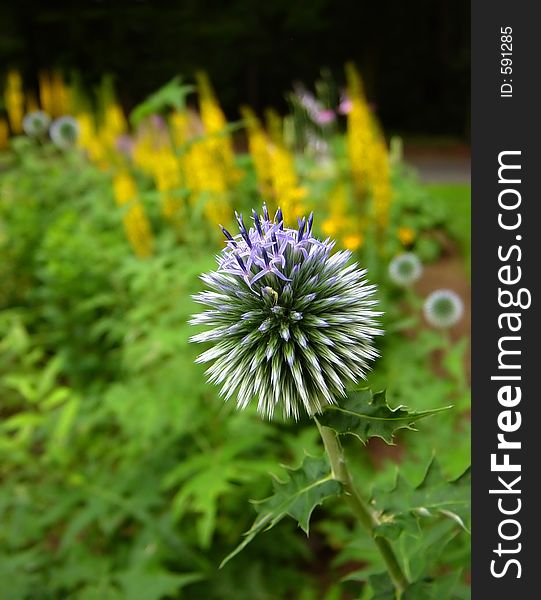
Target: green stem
{"points": [[413, 300], [359, 506]]}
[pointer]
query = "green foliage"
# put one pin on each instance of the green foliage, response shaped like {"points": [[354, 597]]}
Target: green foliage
{"points": [[366, 415], [171, 95], [297, 496], [125, 476], [403, 506], [447, 586]]}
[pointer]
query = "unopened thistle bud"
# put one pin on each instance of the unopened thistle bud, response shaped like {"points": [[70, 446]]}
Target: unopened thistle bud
{"points": [[405, 269], [36, 124], [443, 308], [64, 132]]}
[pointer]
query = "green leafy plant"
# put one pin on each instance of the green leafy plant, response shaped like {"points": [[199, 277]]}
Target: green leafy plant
{"points": [[291, 323]]}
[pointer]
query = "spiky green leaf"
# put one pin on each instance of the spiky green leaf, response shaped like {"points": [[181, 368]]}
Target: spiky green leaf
{"points": [[446, 586], [297, 496], [365, 415], [402, 507]]}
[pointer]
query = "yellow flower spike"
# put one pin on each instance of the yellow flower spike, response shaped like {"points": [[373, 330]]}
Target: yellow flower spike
{"points": [[115, 121], [45, 93], [168, 179], [14, 101], [138, 230], [258, 146], [215, 124], [205, 177], [275, 126], [87, 130], [4, 134], [286, 190], [179, 122], [338, 210], [380, 179], [359, 131], [124, 188], [368, 155], [217, 209], [31, 102], [136, 223], [60, 96]]}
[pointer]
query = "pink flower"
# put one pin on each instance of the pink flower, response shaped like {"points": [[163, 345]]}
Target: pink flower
{"points": [[325, 116], [345, 106], [124, 144], [157, 122]]}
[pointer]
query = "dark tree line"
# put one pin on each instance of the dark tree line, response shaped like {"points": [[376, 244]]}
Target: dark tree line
{"points": [[414, 56]]}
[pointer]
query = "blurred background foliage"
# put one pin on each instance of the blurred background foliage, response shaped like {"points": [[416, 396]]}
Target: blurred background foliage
{"points": [[123, 475]]}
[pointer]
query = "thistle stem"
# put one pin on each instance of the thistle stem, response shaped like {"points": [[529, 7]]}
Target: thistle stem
{"points": [[359, 506]]}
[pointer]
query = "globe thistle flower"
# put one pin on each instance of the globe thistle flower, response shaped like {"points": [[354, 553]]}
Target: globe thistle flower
{"points": [[292, 323], [443, 308], [64, 132], [405, 269], [36, 123]]}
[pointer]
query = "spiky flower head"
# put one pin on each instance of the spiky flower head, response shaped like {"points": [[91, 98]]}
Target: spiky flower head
{"points": [[36, 123], [443, 308], [405, 269], [64, 132], [292, 322]]}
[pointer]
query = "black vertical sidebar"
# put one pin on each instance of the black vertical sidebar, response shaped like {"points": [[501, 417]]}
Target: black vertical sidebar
{"points": [[506, 260]]}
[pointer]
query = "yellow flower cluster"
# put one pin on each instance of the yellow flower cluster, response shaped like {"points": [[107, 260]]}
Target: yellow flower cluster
{"points": [[219, 142], [274, 164], [288, 194], [368, 154], [4, 134], [258, 146], [191, 157], [136, 223], [14, 101], [207, 181], [55, 97], [99, 139], [167, 177], [286, 189], [359, 131], [339, 225], [380, 183]]}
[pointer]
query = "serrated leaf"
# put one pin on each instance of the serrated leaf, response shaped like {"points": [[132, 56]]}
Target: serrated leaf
{"points": [[382, 586], [421, 555], [154, 584], [438, 589], [306, 487], [403, 506], [365, 415]]}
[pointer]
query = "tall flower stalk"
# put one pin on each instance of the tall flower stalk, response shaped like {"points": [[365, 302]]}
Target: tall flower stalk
{"points": [[292, 323], [359, 506]]}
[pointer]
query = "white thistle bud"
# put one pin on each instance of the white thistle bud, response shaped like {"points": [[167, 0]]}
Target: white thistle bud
{"points": [[36, 123], [64, 132], [443, 308], [405, 269]]}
